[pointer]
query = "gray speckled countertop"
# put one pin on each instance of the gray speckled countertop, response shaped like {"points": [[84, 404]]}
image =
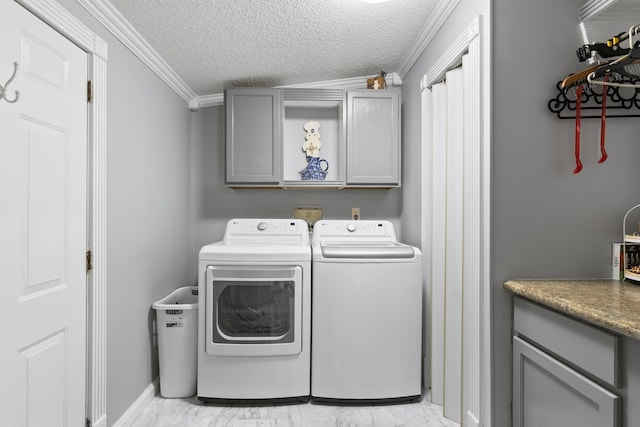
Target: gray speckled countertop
{"points": [[610, 304]]}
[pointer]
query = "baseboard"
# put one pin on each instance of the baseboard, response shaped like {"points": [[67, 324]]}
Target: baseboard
{"points": [[426, 377], [140, 404], [472, 420], [102, 422]]}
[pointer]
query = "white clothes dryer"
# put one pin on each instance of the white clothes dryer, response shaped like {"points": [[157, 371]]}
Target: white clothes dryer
{"points": [[366, 314], [255, 313]]}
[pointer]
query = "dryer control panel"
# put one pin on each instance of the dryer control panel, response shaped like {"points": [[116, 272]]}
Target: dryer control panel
{"points": [[258, 230]]}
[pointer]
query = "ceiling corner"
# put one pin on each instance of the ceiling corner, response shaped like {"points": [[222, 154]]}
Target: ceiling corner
{"points": [[430, 29]]}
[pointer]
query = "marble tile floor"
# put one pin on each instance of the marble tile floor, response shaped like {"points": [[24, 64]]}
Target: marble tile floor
{"points": [[190, 412]]}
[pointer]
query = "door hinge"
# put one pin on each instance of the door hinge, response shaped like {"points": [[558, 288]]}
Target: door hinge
{"points": [[89, 261], [89, 91]]}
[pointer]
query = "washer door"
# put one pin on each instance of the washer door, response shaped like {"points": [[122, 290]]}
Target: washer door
{"points": [[253, 310]]}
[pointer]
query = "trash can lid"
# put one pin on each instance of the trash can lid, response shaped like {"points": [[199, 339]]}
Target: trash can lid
{"points": [[180, 299]]}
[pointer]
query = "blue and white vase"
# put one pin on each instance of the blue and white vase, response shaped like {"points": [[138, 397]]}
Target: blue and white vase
{"points": [[316, 169]]}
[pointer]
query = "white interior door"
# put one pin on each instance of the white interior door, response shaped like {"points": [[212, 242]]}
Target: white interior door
{"points": [[43, 227]]}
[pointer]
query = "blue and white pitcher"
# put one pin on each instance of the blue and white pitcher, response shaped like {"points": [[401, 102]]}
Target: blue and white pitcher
{"points": [[316, 169]]}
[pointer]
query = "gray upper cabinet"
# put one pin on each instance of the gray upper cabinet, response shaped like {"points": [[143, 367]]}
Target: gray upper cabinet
{"points": [[360, 135], [253, 136], [373, 138]]}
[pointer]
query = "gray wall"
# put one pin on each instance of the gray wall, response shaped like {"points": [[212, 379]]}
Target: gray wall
{"points": [[546, 221], [214, 204], [463, 15], [149, 227]]}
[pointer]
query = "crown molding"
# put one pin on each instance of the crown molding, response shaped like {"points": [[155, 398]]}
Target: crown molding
{"points": [[352, 83], [437, 19], [592, 8], [204, 101], [113, 21]]}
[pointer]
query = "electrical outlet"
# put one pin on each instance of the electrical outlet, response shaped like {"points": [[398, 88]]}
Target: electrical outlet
{"points": [[355, 214]]}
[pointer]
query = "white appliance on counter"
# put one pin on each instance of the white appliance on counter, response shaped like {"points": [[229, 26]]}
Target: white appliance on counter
{"points": [[366, 313], [255, 313]]}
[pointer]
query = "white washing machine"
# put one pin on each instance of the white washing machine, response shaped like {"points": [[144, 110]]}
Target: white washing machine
{"points": [[254, 324], [366, 313]]}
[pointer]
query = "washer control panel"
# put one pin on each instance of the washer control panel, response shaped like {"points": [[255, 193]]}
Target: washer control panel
{"points": [[375, 230]]}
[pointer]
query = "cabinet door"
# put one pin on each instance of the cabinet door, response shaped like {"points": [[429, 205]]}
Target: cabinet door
{"points": [[254, 135], [548, 393], [373, 137]]}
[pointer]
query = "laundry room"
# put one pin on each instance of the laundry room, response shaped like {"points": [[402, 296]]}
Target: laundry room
{"points": [[162, 186]]}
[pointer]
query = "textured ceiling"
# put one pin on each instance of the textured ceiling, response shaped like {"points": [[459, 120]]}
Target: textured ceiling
{"points": [[214, 44]]}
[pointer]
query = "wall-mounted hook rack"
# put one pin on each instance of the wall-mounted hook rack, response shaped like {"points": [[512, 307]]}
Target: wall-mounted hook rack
{"points": [[622, 101]]}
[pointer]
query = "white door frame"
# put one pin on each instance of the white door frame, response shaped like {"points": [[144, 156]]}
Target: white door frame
{"points": [[476, 393], [62, 21]]}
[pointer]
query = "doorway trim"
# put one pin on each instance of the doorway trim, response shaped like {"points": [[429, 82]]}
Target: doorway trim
{"points": [[57, 17]]}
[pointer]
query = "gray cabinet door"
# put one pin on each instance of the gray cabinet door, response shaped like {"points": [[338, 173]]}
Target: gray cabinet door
{"points": [[373, 137], [254, 135], [548, 393]]}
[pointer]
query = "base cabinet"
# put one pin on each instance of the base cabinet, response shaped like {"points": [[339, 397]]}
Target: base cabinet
{"points": [[564, 371], [547, 392]]}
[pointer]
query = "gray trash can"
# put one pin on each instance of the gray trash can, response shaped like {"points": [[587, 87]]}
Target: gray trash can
{"points": [[177, 326]]}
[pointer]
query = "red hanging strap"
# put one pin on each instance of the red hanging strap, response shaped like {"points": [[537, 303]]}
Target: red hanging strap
{"points": [[603, 120], [577, 143]]}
